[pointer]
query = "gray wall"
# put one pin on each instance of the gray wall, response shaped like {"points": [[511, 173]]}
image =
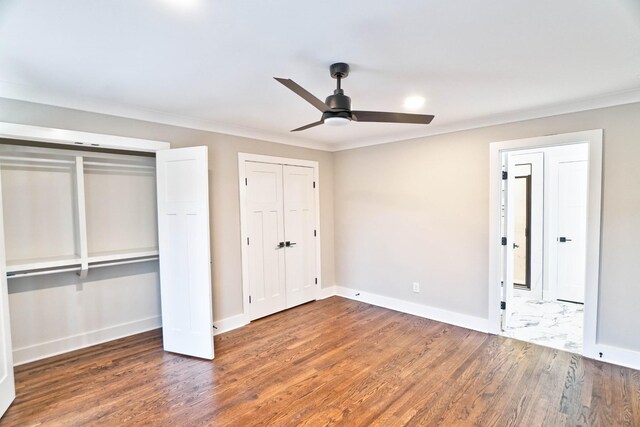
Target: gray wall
{"points": [[223, 165], [417, 211], [409, 211]]}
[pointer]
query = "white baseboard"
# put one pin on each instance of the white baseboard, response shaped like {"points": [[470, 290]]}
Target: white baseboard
{"points": [[421, 310], [230, 323], [75, 342], [327, 292], [618, 356]]}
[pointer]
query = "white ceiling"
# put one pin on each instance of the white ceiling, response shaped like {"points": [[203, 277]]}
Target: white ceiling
{"points": [[209, 64]]}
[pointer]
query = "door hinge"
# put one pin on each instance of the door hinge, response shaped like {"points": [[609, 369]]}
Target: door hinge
{"points": [[247, 240], [316, 280], [503, 305], [246, 181], [504, 241], [314, 233], [314, 184], [249, 299], [504, 174]]}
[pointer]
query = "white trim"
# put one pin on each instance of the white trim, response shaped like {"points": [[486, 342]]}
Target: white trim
{"points": [[594, 139], [242, 159], [230, 323], [592, 103], [27, 94], [30, 94], [46, 349], [420, 310], [77, 138], [618, 356], [43, 350], [330, 291]]}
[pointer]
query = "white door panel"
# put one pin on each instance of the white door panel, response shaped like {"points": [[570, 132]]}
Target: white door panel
{"points": [[7, 384], [265, 221], [300, 254], [572, 227], [185, 260]]}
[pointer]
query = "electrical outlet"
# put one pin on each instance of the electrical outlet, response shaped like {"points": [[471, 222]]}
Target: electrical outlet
{"points": [[416, 287]]}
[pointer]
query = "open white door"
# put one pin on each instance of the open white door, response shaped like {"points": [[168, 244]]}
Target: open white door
{"points": [[509, 230], [7, 384], [185, 259]]}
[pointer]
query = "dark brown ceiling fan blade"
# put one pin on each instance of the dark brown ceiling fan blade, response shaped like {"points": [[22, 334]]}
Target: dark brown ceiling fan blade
{"points": [[382, 117], [310, 125], [303, 93]]}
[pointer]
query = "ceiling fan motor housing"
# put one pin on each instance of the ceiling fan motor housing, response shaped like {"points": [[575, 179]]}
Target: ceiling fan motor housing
{"points": [[338, 101]]}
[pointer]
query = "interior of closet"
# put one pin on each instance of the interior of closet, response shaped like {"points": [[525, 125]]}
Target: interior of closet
{"points": [[81, 246]]}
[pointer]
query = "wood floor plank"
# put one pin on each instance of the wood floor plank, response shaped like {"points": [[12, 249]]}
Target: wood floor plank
{"points": [[331, 362]]}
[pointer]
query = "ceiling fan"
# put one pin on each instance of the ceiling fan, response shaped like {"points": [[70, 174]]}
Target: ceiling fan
{"points": [[336, 110]]}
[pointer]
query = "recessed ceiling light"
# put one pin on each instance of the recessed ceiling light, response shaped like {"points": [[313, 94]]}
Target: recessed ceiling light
{"points": [[183, 5], [413, 102]]}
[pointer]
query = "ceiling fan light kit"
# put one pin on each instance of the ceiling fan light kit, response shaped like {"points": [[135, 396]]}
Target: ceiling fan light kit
{"points": [[336, 110], [336, 121]]}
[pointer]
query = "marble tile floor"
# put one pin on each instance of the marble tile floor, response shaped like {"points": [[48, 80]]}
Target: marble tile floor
{"points": [[555, 324]]}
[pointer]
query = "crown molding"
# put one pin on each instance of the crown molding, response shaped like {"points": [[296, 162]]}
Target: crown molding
{"points": [[592, 103], [26, 93], [94, 105]]}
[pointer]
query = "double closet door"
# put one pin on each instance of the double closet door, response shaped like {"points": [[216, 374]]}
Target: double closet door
{"points": [[280, 206]]}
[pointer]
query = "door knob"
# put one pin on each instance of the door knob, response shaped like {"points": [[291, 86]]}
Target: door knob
{"points": [[563, 239], [515, 246], [280, 245], [289, 244]]}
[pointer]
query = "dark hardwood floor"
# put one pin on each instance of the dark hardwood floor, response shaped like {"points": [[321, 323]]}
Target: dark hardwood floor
{"points": [[329, 362]]}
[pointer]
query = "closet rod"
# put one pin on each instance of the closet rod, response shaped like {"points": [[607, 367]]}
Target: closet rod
{"points": [[129, 261], [41, 272], [119, 165], [37, 160], [65, 270]]}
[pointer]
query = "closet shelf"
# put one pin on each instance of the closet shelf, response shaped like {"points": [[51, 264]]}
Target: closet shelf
{"points": [[122, 255], [41, 266], [23, 265]]}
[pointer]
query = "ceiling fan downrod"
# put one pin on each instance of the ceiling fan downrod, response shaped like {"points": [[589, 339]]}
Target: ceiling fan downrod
{"points": [[339, 101]]}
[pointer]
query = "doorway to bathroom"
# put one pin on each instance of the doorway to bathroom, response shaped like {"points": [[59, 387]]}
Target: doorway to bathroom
{"points": [[546, 218]]}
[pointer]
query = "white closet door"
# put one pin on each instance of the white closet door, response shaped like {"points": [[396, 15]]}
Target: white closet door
{"points": [[7, 384], [185, 260], [265, 224], [299, 224]]}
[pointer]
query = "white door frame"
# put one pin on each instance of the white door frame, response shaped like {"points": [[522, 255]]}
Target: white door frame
{"points": [[242, 158], [496, 149]]}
